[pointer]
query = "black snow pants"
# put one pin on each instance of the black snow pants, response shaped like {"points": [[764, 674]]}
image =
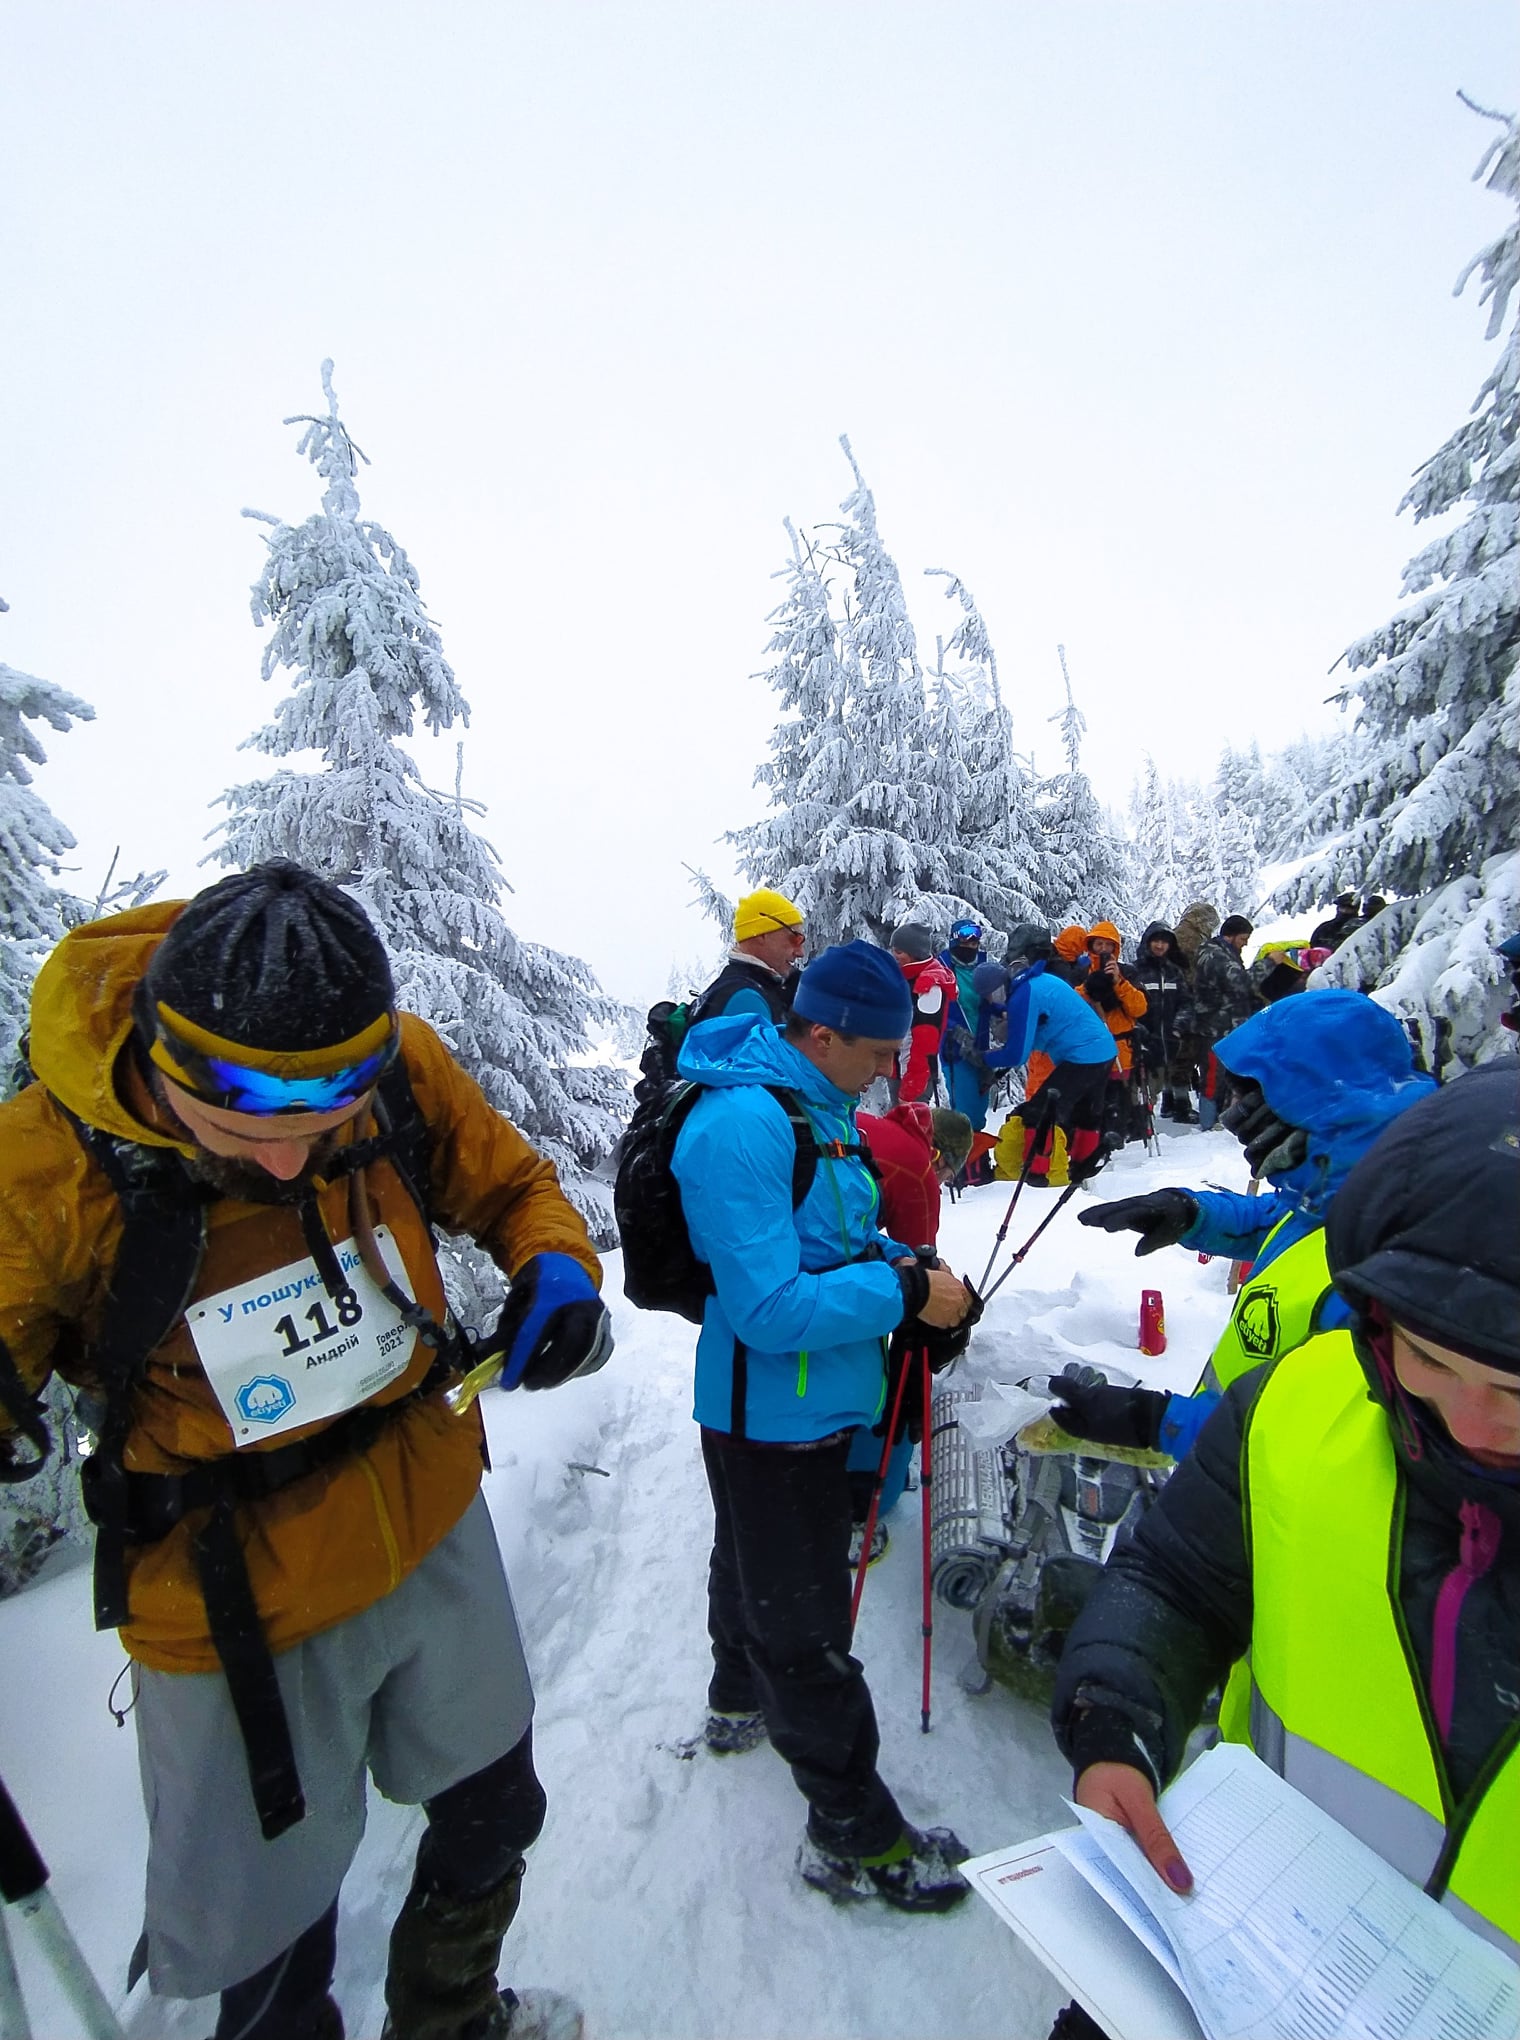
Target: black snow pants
{"points": [[476, 1831], [778, 1613]]}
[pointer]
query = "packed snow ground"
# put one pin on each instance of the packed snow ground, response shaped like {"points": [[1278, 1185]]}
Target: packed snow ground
{"points": [[662, 1892]]}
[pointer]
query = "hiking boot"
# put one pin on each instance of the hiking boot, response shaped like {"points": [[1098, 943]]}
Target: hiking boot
{"points": [[917, 1874], [734, 1735], [878, 1543]]}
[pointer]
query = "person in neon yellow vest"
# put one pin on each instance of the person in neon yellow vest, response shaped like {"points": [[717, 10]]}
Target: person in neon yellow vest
{"points": [[1350, 1519], [1318, 1078]]}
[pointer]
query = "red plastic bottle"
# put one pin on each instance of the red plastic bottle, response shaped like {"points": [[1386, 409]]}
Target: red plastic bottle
{"points": [[1152, 1322]]}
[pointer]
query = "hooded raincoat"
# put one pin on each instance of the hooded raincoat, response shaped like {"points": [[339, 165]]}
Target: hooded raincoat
{"points": [[1340, 1067], [329, 1544]]}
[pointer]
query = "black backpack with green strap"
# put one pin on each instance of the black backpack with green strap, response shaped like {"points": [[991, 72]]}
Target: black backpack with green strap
{"points": [[661, 1268]]}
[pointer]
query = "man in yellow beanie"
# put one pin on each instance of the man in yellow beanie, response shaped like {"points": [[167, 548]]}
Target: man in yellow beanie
{"points": [[760, 973]]}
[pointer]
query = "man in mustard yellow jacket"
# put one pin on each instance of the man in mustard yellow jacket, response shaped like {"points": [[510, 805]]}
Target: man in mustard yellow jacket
{"points": [[218, 1199]]}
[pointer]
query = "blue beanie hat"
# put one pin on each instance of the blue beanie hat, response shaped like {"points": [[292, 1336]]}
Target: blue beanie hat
{"points": [[856, 988]]}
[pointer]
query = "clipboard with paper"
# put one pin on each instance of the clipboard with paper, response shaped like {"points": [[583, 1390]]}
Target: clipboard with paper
{"points": [[1294, 1928]]}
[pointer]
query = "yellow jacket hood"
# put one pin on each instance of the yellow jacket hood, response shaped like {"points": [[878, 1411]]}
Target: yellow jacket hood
{"points": [[82, 1014]]}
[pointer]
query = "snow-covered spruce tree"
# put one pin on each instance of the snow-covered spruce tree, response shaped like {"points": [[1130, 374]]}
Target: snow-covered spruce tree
{"points": [[1433, 805], [348, 622], [996, 855], [855, 829], [39, 1515], [34, 911], [1086, 874]]}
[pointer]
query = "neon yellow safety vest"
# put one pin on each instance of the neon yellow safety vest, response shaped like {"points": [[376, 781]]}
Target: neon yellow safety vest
{"points": [[1336, 1705], [1275, 1310]]}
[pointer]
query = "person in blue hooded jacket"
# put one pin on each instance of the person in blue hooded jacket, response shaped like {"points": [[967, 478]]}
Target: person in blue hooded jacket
{"points": [[1040, 1012], [1317, 1078], [791, 1362]]}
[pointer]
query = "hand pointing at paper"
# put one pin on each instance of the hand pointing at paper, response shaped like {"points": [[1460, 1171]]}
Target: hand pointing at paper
{"points": [[1121, 1793]]}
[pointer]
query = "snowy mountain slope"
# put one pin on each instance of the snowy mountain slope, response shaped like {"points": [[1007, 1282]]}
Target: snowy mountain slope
{"points": [[662, 1891]]}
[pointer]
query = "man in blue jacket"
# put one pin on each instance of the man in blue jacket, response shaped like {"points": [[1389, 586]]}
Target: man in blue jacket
{"points": [[1040, 1013], [790, 1363]]}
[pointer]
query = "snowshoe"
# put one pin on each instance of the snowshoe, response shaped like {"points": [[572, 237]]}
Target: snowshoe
{"points": [[734, 1735], [878, 1543], [534, 2015], [918, 1874], [522, 2015]]}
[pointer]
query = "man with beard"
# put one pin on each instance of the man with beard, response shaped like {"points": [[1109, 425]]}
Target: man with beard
{"points": [[218, 1201]]}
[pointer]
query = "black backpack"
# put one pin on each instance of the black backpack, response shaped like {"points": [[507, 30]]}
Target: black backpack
{"points": [[666, 1027], [661, 1269]]}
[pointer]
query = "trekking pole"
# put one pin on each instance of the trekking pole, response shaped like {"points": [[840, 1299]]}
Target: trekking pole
{"points": [[1032, 1142], [24, 1888], [1065, 1197], [881, 1480], [925, 1481]]}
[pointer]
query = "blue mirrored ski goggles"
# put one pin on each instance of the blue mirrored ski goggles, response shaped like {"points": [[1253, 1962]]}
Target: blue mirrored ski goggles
{"points": [[236, 1088], [321, 1080]]}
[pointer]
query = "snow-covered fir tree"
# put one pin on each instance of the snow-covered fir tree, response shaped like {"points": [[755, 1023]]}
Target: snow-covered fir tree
{"points": [[998, 865], [855, 831], [1432, 808], [34, 910], [348, 623], [1161, 878], [1087, 870]]}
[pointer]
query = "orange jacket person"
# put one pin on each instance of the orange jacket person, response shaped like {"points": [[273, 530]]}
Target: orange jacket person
{"points": [[1107, 987], [218, 1197]]}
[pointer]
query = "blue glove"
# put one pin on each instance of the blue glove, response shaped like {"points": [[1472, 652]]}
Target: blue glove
{"points": [[553, 1324]]}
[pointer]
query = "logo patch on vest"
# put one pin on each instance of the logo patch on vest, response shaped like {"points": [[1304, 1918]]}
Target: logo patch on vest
{"points": [[1257, 1324]]}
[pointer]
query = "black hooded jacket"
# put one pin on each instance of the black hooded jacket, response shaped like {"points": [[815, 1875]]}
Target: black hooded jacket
{"points": [[1168, 994], [1426, 1231]]}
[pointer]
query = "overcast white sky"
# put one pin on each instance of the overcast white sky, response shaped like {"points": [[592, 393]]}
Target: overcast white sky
{"points": [[1138, 315]]}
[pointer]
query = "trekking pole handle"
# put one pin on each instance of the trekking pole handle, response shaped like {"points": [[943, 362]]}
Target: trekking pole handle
{"points": [[22, 1870]]}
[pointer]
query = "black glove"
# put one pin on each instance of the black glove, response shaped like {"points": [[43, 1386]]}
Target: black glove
{"points": [[553, 1324], [945, 1346], [1148, 1048], [1110, 1416], [1100, 988], [1160, 1218], [1272, 1145], [1084, 1171]]}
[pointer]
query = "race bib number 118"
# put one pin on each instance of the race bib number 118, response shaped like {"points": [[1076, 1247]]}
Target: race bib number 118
{"points": [[280, 1352]]}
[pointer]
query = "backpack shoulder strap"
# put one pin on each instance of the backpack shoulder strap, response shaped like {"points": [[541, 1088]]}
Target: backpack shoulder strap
{"points": [[805, 1161], [163, 1237], [410, 1144], [162, 1240]]}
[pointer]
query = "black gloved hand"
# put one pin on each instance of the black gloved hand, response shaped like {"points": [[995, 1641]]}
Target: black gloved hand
{"points": [[945, 1346], [553, 1324], [1273, 1145], [1161, 1218], [1110, 1416], [1099, 987]]}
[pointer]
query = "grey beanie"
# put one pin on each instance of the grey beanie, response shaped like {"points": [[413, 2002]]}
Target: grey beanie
{"points": [[914, 941]]}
